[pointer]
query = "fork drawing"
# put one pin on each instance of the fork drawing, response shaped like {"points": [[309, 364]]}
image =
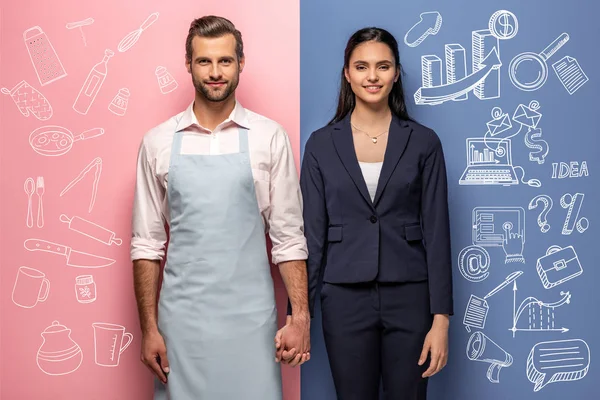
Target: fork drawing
{"points": [[40, 192]]}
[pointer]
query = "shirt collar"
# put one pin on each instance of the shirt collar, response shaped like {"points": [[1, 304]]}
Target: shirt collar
{"points": [[238, 116]]}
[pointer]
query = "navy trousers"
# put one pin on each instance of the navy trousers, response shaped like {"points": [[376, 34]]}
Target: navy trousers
{"points": [[374, 332]]}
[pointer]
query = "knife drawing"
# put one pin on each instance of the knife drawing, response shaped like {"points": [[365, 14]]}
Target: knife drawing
{"points": [[74, 258]]}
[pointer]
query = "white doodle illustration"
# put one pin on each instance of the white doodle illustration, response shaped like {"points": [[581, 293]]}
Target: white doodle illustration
{"points": [[540, 315], [500, 122], [483, 349], [559, 265], [92, 84], [131, 38], [46, 63], [474, 263], [503, 25], [91, 230], [29, 101], [58, 354], [53, 141], [80, 25], [31, 287], [557, 361], [483, 46], [429, 23], [74, 258], [571, 169], [166, 82], [29, 187], [110, 341], [96, 165], [478, 308], [456, 66], [85, 289], [570, 74], [538, 61], [500, 227], [489, 162], [118, 105], [39, 190], [547, 205], [573, 205]]}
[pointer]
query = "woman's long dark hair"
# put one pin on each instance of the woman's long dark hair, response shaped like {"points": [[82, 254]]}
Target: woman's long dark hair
{"points": [[346, 99]]}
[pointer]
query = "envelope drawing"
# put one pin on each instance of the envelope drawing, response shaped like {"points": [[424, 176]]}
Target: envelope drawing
{"points": [[499, 125], [526, 116]]}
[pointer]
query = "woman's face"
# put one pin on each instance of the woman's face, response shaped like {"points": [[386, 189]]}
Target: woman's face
{"points": [[372, 72]]}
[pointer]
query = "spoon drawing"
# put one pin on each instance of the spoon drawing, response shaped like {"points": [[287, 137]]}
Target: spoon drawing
{"points": [[29, 189]]}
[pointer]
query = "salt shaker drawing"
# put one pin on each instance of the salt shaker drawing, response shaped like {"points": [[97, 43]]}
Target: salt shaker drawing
{"points": [[85, 289], [118, 105], [93, 83], [46, 63], [166, 82]]}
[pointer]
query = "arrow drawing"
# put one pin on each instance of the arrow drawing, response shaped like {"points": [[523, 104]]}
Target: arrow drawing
{"points": [[441, 93]]}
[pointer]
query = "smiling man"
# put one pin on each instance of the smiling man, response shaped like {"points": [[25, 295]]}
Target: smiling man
{"points": [[219, 177]]}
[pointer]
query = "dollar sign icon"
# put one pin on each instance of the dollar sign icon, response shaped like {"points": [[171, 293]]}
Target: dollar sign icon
{"points": [[503, 24]]}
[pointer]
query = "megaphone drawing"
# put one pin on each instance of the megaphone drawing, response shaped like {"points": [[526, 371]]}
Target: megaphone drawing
{"points": [[482, 348]]}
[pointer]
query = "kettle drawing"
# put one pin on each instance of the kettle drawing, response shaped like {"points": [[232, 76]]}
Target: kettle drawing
{"points": [[58, 354]]}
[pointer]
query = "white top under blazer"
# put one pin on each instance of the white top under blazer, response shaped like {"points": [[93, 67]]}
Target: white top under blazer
{"points": [[371, 171]]}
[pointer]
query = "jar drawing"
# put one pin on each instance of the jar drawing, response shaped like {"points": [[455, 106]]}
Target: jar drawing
{"points": [[118, 105], [85, 289], [58, 354], [166, 83]]}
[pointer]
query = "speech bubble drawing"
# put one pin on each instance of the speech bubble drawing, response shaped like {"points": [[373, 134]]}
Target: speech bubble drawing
{"points": [[557, 361]]}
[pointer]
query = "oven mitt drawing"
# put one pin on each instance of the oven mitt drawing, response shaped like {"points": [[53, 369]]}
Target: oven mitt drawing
{"points": [[28, 99], [513, 244], [429, 24]]}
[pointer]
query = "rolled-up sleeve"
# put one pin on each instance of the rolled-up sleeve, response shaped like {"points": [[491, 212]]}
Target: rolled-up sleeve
{"points": [[286, 227], [148, 237], [436, 227]]}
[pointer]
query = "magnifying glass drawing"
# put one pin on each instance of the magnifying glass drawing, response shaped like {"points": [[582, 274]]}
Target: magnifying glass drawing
{"points": [[539, 64]]}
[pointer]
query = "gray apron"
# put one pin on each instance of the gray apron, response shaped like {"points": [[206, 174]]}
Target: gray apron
{"points": [[217, 309]]}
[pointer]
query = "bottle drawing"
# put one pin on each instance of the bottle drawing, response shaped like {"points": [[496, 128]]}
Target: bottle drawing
{"points": [[92, 84]]}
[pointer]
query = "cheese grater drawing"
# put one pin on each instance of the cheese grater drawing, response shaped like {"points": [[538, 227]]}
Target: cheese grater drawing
{"points": [[46, 63]]}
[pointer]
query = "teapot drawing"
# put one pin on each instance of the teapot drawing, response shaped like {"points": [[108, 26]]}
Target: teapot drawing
{"points": [[58, 354]]}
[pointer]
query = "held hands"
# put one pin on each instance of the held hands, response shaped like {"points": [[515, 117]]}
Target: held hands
{"points": [[292, 342], [436, 343], [154, 355]]}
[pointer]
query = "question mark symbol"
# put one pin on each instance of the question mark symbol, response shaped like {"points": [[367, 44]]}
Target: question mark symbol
{"points": [[542, 218]]}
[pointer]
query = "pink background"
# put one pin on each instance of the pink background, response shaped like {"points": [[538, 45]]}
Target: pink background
{"points": [[269, 85]]}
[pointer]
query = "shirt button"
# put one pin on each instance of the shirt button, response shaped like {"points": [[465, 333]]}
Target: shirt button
{"points": [[373, 219]]}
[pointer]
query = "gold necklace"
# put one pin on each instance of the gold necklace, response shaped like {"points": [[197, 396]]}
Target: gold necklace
{"points": [[373, 138]]}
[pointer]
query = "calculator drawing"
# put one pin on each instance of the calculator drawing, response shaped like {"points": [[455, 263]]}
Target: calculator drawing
{"points": [[46, 63]]}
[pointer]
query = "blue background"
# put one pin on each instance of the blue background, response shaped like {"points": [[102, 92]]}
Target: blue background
{"points": [[569, 125]]}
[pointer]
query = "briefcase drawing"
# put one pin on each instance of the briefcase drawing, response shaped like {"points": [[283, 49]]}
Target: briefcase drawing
{"points": [[559, 265]]}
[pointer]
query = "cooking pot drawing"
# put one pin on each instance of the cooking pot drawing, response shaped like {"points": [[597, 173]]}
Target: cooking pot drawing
{"points": [[52, 140], [58, 354]]}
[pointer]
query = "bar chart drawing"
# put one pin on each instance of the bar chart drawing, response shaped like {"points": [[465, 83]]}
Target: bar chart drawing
{"points": [[484, 80]]}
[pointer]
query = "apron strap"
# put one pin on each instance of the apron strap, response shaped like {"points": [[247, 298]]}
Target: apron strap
{"points": [[243, 135]]}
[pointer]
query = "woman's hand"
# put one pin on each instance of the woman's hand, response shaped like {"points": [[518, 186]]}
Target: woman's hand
{"points": [[436, 343]]}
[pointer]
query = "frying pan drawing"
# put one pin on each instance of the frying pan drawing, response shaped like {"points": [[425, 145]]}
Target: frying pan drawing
{"points": [[52, 140], [539, 63], [132, 37]]}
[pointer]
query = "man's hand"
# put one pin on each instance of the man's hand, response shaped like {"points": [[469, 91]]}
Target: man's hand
{"points": [[292, 342], [154, 354], [436, 343]]}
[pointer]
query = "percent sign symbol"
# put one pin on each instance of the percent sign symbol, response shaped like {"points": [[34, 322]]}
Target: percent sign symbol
{"points": [[542, 219], [573, 205]]}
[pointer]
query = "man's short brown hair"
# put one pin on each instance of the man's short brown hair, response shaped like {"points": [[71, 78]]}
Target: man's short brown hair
{"points": [[212, 26]]}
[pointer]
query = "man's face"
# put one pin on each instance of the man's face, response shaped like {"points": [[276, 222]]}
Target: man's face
{"points": [[214, 67]]}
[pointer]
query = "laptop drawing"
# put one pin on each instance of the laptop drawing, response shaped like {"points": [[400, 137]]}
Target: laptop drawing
{"points": [[489, 162]]}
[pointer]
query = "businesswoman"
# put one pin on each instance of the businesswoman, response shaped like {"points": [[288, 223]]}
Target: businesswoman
{"points": [[376, 221]]}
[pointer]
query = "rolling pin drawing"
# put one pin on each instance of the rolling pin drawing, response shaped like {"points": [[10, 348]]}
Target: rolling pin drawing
{"points": [[91, 230]]}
